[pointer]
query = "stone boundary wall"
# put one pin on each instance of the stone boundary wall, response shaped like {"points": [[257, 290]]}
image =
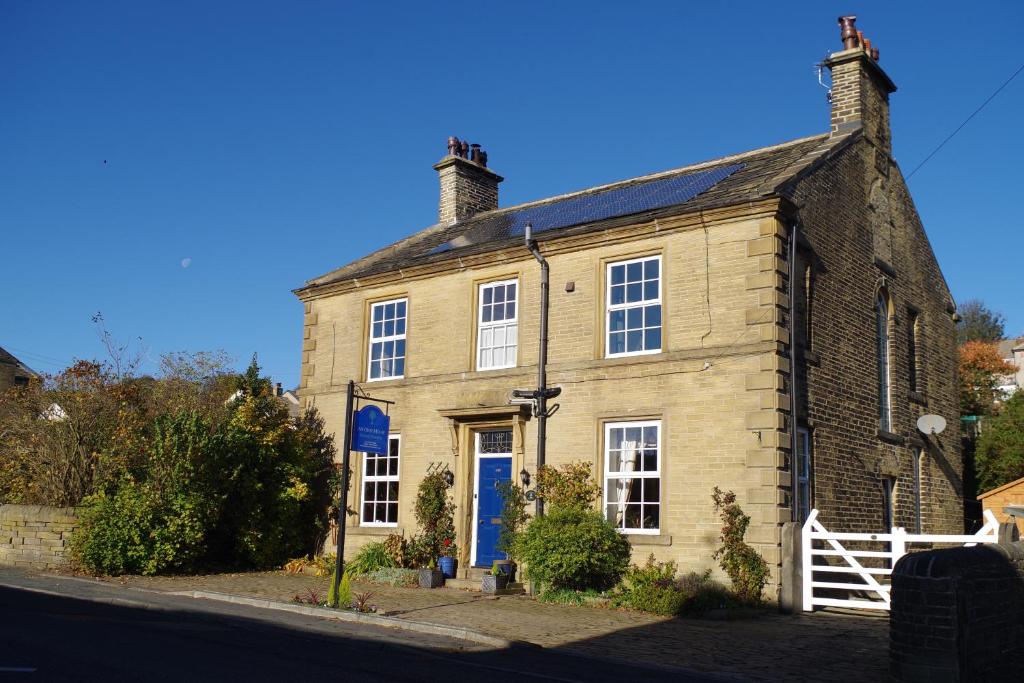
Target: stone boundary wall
{"points": [[35, 536], [958, 615]]}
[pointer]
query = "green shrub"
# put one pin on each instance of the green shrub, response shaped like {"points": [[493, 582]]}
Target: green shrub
{"points": [[704, 593], [393, 576], [651, 588], [565, 596], [343, 597], [513, 516], [574, 548], [137, 531], [745, 567], [370, 558], [238, 486], [570, 485], [435, 515]]}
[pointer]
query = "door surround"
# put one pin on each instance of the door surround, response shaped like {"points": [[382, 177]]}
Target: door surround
{"points": [[463, 423]]}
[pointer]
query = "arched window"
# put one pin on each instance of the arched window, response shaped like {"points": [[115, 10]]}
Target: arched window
{"points": [[884, 394], [913, 344]]}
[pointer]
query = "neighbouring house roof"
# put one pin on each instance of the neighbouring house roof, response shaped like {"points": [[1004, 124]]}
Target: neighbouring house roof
{"points": [[6, 358], [750, 176], [1004, 487], [1008, 346]]}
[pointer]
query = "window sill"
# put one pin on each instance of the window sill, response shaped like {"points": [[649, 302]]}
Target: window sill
{"points": [[648, 539], [918, 398], [378, 380], [812, 358], [374, 530], [889, 437], [885, 267]]}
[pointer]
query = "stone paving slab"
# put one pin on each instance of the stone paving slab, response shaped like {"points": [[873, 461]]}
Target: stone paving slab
{"points": [[770, 647]]}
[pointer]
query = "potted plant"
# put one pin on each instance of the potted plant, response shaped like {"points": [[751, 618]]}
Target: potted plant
{"points": [[494, 580], [513, 521], [431, 576], [506, 567], [447, 562]]}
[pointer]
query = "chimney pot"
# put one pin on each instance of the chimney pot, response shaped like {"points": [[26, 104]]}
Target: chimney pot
{"points": [[860, 89], [848, 31], [468, 187]]}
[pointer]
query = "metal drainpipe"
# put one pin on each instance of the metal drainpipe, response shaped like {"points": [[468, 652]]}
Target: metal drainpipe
{"points": [[542, 361], [793, 422]]}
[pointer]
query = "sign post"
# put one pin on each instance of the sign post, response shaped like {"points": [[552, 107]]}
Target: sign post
{"points": [[366, 431], [346, 456]]}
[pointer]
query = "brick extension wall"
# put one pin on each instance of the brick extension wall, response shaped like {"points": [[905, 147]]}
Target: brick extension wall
{"points": [[35, 536], [958, 615]]}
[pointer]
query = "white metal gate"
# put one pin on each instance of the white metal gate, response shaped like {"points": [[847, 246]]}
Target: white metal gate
{"points": [[873, 590]]}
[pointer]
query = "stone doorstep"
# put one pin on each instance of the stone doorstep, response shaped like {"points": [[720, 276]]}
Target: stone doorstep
{"points": [[474, 585]]}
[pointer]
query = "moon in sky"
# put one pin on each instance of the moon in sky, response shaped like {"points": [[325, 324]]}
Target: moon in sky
{"points": [[186, 262]]}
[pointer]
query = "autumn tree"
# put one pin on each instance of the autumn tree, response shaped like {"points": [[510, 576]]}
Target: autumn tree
{"points": [[980, 369], [1000, 452], [978, 323]]}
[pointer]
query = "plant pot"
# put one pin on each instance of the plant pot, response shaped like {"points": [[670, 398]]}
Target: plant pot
{"points": [[431, 578], [508, 568], [492, 583], [447, 565]]}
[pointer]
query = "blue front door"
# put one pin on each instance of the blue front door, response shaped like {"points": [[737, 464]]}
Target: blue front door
{"points": [[491, 471]]}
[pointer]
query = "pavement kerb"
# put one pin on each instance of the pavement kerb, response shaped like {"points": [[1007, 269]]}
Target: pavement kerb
{"points": [[362, 618], [119, 602], [321, 612]]}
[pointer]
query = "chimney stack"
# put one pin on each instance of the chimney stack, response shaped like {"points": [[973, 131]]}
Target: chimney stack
{"points": [[860, 88], [468, 187]]}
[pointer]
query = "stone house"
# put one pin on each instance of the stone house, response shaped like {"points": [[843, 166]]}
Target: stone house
{"points": [[13, 373], [673, 300], [1012, 351]]}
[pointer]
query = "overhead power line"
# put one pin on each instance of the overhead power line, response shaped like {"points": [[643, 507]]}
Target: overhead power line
{"points": [[966, 121]]}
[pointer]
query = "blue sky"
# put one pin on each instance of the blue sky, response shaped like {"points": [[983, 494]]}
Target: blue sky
{"points": [[268, 143]]}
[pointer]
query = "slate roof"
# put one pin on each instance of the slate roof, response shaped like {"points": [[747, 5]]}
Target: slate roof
{"points": [[750, 176], [7, 358]]}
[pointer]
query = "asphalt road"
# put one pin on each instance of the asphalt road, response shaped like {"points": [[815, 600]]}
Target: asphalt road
{"points": [[94, 632]]}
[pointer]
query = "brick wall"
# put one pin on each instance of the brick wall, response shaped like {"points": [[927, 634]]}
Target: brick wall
{"points": [[35, 536], [958, 615], [839, 392]]}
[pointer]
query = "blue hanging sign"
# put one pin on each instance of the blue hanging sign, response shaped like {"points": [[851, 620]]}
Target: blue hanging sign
{"points": [[370, 432]]}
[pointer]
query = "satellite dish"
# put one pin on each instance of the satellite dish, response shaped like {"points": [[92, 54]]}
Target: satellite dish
{"points": [[931, 424]]}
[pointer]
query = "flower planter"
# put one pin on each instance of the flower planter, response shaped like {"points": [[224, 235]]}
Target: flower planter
{"points": [[492, 583], [508, 568], [447, 565], [431, 578]]}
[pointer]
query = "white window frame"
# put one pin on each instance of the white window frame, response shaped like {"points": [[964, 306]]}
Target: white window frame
{"points": [[918, 454], [387, 338], [387, 478], [883, 351], [610, 307], [506, 324], [614, 476]]}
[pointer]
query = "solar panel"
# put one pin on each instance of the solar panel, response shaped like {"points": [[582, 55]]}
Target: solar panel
{"points": [[596, 206]]}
